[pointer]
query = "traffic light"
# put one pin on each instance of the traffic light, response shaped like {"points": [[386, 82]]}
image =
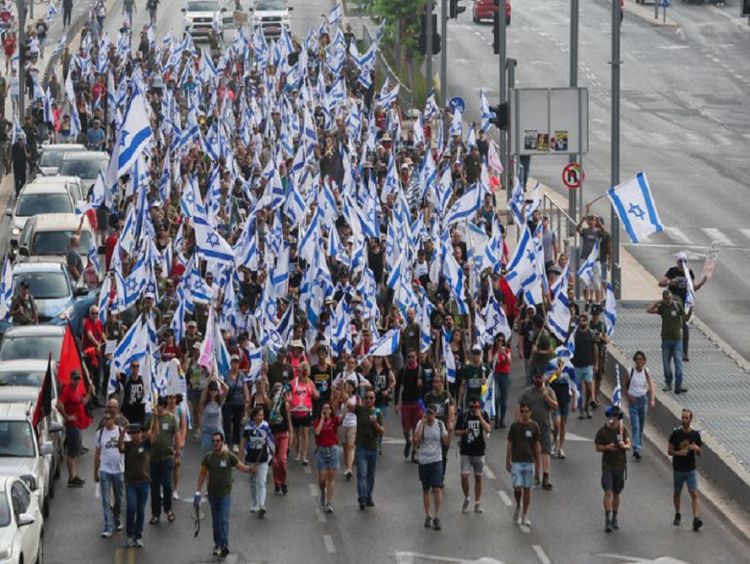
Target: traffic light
{"points": [[422, 38], [455, 9], [502, 116], [496, 32]]}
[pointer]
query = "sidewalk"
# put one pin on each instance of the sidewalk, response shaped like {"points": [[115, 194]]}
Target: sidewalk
{"points": [[717, 377]]}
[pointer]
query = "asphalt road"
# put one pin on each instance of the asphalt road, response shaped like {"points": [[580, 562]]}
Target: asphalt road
{"points": [[684, 121]]}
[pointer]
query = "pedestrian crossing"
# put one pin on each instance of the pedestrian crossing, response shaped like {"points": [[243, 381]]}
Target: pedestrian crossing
{"points": [[726, 238]]}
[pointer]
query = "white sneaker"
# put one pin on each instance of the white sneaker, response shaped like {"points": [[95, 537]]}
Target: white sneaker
{"points": [[139, 543], [254, 509], [175, 495], [517, 516], [525, 522], [465, 506], [130, 543], [106, 534]]}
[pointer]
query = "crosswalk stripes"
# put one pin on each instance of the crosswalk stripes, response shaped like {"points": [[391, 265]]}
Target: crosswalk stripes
{"points": [[705, 236], [677, 235], [717, 235]]}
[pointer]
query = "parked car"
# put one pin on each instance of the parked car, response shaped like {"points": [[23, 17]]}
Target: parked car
{"points": [[198, 17], [271, 16], [58, 299], [51, 156], [46, 237], [20, 381], [32, 342], [485, 10], [35, 199], [21, 454], [86, 165], [21, 522]]}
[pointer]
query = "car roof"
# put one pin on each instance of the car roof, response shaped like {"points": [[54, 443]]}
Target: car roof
{"points": [[45, 188], [18, 394], [34, 331], [24, 267], [58, 179], [30, 364], [59, 222], [63, 147], [16, 411], [85, 156]]}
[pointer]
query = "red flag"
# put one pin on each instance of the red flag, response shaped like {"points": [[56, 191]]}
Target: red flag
{"points": [[70, 359], [44, 400]]}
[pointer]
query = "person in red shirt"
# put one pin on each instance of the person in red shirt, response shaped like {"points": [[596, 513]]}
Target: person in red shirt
{"points": [[169, 349], [109, 245], [501, 356], [71, 403], [9, 46], [327, 454], [93, 343]]}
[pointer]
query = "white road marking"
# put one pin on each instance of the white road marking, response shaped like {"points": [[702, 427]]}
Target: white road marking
{"points": [[394, 441], [745, 232], [717, 235], [505, 498], [307, 469], [543, 558], [411, 557], [330, 547], [673, 47], [320, 515], [489, 473], [676, 234], [576, 438], [313, 490]]}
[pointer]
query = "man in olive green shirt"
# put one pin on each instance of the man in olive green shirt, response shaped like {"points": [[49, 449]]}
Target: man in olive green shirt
{"points": [[542, 350], [369, 428], [672, 315], [217, 467], [137, 478], [165, 445]]}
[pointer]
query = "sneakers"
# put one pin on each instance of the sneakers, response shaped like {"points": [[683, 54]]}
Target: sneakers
{"points": [[106, 534], [677, 520], [614, 524], [607, 526], [217, 551], [236, 449], [370, 502], [284, 489], [407, 449], [478, 508], [348, 474], [261, 512], [546, 485], [636, 455], [138, 543], [175, 495], [427, 522], [517, 516], [682, 390], [130, 543], [581, 415], [76, 482], [465, 506], [297, 457], [305, 462], [277, 490], [118, 526], [697, 524], [667, 388], [254, 509], [525, 521], [224, 551], [561, 454], [328, 508], [436, 524]]}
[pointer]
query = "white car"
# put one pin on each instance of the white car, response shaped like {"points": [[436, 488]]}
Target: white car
{"points": [[35, 199], [20, 453], [21, 523], [272, 16], [52, 155], [199, 16], [86, 165]]}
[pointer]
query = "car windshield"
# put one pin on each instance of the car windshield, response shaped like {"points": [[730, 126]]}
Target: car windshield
{"points": [[56, 243], [204, 6], [271, 5], [16, 439], [30, 347], [51, 158], [21, 378], [33, 204], [44, 285], [87, 169]]}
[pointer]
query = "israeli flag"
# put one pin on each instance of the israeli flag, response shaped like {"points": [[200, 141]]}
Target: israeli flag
{"points": [[690, 294], [488, 398], [586, 271], [522, 265], [135, 133], [485, 114], [449, 359], [610, 310], [52, 11], [465, 207], [209, 244], [516, 202], [386, 345], [387, 97], [617, 393], [6, 289], [634, 204], [335, 14]]}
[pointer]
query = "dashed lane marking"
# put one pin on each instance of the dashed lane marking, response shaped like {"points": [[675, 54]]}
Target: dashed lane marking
{"points": [[489, 473], [540, 554], [313, 490], [505, 498], [330, 547]]}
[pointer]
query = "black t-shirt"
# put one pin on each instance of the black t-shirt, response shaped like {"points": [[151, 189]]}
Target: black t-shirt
{"points": [[256, 451], [379, 382], [678, 282], [472, 442], [428, 373], [584, 355], [679, 440], [133, 407], [526, 330], [321, 377]]}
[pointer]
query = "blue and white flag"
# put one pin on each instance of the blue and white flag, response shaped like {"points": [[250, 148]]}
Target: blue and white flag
{"points": [[6, 289], [516, 202], [334, 16], [586, 270], [522, 265], [386, 345], [52, 11], [465, 207], [634, 204], [610, 310], [690, 290], [209, 244], [485, 113], [617, 393], [488, 398], [135, 133], [448, 359]]}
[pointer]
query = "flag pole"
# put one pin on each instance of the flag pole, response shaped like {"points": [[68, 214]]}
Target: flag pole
{"points": [[592, 202]]}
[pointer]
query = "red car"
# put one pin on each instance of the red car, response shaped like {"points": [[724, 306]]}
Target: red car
{"points": [[484, 10]]}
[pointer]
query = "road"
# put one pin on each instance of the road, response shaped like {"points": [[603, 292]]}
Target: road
{"points": [[684, 121]]}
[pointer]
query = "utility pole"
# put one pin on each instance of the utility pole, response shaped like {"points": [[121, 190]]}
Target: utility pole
{"points": [[444, 53], [615, 150], [21, 59], [573, 194], [502, 48], [428, 41]]}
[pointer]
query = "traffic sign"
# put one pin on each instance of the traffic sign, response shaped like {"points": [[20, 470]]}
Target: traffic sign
{"points": [[457, 103], [572, 176], [665, 3]]}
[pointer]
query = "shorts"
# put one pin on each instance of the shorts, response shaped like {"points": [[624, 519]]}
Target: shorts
{"points": [[596, 277], [327, 458], [301, 420], [73, 441], [689, 476], [347, 435], [545, 434], [613, 479], [194, 394], [472, 462], [522, 474], [431, 475], [584, 374], [411, 413], [563, 408]]}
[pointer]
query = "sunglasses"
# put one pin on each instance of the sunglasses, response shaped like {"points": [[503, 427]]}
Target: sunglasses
{"points": [[525, 411]]}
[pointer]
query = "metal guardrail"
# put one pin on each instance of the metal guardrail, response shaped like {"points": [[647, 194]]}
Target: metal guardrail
{"points": [[405, 94], [561, 224]]}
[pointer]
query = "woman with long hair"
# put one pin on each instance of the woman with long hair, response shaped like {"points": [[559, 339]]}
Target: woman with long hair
{"points": [[209, 412], [303, 393], [326, 454], [347, 396]]}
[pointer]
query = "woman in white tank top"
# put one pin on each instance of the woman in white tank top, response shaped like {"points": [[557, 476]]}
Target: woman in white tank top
{"points": [[639, 388]]}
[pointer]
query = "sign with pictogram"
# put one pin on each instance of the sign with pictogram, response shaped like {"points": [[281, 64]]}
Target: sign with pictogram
{"points": [[573, 176]]}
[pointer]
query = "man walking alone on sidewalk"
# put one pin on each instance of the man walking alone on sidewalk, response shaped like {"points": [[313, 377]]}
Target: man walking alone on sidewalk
{"points": [[684, 444]]}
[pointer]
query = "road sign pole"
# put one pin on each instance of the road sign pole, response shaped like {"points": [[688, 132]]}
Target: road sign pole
{"points": [[21, 60], [615, 150], [572, 207], [503, 90], [444, 52], [428, 42]]}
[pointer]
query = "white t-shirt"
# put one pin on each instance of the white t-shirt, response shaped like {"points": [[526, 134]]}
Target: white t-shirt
{"points": [[112, 461], [638, 385]]}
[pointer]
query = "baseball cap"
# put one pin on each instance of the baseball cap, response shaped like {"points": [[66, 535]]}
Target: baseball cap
{"points": [[476, 348]]}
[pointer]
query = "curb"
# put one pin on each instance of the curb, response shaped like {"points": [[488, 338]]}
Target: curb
{"points": [[645, 14], [725, 484]]}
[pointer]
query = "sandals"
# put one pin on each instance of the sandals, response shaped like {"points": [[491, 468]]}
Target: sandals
{"points": [[170, 516]]}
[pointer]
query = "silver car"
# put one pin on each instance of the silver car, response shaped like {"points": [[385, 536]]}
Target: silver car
{"points": [[51, 156], [86, 165], [32, 341], [35, 199]]}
